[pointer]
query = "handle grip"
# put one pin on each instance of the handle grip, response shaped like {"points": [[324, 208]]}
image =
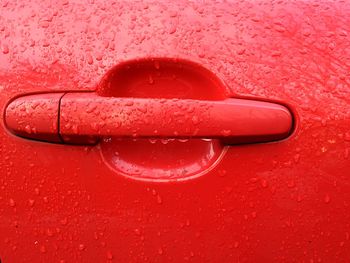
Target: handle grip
{"points": [[84, 117]]}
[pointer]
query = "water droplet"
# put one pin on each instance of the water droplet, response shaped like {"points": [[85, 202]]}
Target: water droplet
{"points": [[156, 64], [152, 141], [89, 59], [226, 132], [264, 183], [164, 141], [42, 249], [31, 202], [99, 57], [49, 232], [109, 255], [46, 43], [5, 49], [299, 198], [280, 28], [44, 24], [28, 129], [195, 119], [222, 173], [172, 29], [276, 53], [12, 202], [291, 184], [296, 158], [64, 221], [327, 198], [347, 137], [129, 103], [159, 199], [173, 13], [241, 51]]}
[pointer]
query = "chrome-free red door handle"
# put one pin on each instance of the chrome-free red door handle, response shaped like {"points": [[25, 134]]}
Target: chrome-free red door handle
{"points": [[85, 117]]}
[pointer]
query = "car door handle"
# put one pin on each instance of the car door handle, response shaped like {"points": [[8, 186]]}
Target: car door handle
{"points": [[85, 117]]}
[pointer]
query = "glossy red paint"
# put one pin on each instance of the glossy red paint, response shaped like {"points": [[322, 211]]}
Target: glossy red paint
{"points": [[285, 201]]}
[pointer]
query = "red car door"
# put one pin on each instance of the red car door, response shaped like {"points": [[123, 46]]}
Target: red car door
{"points": [[170, 132]]}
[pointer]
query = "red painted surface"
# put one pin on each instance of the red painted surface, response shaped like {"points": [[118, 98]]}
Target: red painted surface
{"points": [[286, 201]]}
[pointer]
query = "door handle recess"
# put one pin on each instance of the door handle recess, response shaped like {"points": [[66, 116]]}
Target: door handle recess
{"points": [[83, 118]]}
